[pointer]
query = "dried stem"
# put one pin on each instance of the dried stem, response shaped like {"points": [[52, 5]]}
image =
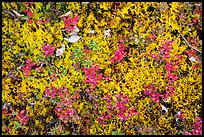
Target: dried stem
{"points": [[73, 127], [10, 13], [189, 44], [32, 104], [5, 125], [18, 14]]}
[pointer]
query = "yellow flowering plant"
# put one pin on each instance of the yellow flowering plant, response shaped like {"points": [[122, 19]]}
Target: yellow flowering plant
{"points": [[101, 68]]}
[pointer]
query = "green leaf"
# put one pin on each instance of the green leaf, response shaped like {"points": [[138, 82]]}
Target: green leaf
{"points": [[16, 127], [64, 73], [17, 123], [64, 133], [22, 17], [13, 113], [38, 5], [117, 132], [22, 8], [75, 55], [94, 46], [56, 100], [48, 59], [113, 133], [50, 71], [43, 9], [47, 6], [22, 4], [23, 127]]}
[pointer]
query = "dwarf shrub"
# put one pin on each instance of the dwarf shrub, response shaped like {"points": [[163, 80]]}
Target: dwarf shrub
{"points": [[101, 68]]}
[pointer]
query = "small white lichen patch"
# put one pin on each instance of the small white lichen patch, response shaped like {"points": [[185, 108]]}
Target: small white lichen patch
{"points": [[66, 14], [91, 32], [85, 2], [164, 108], [73, 38], [61, 50]]}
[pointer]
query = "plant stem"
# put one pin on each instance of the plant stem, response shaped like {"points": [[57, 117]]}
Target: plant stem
{"points": [[189, 44]]}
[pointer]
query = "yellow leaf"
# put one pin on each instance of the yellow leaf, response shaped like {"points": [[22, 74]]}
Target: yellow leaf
{"points": [[114, 99], [38, 5]]}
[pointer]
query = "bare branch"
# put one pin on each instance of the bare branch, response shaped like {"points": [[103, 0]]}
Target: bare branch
{"points": [[10, 13], [18, 14], [189, 44]]}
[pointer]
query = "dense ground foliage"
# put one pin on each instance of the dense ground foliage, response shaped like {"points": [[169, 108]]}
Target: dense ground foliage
{"points": [[101, 68]]}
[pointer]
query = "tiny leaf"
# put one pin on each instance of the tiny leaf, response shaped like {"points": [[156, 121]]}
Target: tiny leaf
{"points": [[23, 126], [13, 113], [17, 123]]}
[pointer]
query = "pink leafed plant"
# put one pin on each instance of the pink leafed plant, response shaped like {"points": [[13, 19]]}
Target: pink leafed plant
{"points": [[119, 54], [91, 75], [28, 66], [22, 118], [70, 22], [28, 3], [48, 50]]}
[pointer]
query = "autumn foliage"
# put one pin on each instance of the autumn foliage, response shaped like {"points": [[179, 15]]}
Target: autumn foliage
{"points": [[101, 68]]}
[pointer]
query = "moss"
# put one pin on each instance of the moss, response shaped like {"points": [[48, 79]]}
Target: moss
{"points": [[145, 32]]}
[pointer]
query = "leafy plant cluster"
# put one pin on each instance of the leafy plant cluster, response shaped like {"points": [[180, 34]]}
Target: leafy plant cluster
{"points": [[105, 68]]}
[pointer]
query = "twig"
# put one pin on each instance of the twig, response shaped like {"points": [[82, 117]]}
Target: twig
{"points": [[73, 127], [50, 123], [41, 65], [189, 44], [8, 105], [49, 133], [63, 30], [32, 104], [10, 13], [20, 66], [11, 44], [18, 14], [5, 126]]}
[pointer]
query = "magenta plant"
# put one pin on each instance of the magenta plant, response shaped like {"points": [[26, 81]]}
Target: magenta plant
{"points": [[163, 56], [116, 108], [28, 67], [64, 108], [20, 117], [54, 76], [197, 129], [119, 53], [29, 13], [149, 90], [190, 52], [28, 3], [91, 75], [70, 22], [48, 50]]}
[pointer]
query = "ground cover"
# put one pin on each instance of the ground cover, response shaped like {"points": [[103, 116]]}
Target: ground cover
{"points": [[128, 68]]}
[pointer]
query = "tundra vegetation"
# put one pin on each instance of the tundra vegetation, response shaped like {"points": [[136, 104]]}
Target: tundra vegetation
{"points": [[101, 68]]}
